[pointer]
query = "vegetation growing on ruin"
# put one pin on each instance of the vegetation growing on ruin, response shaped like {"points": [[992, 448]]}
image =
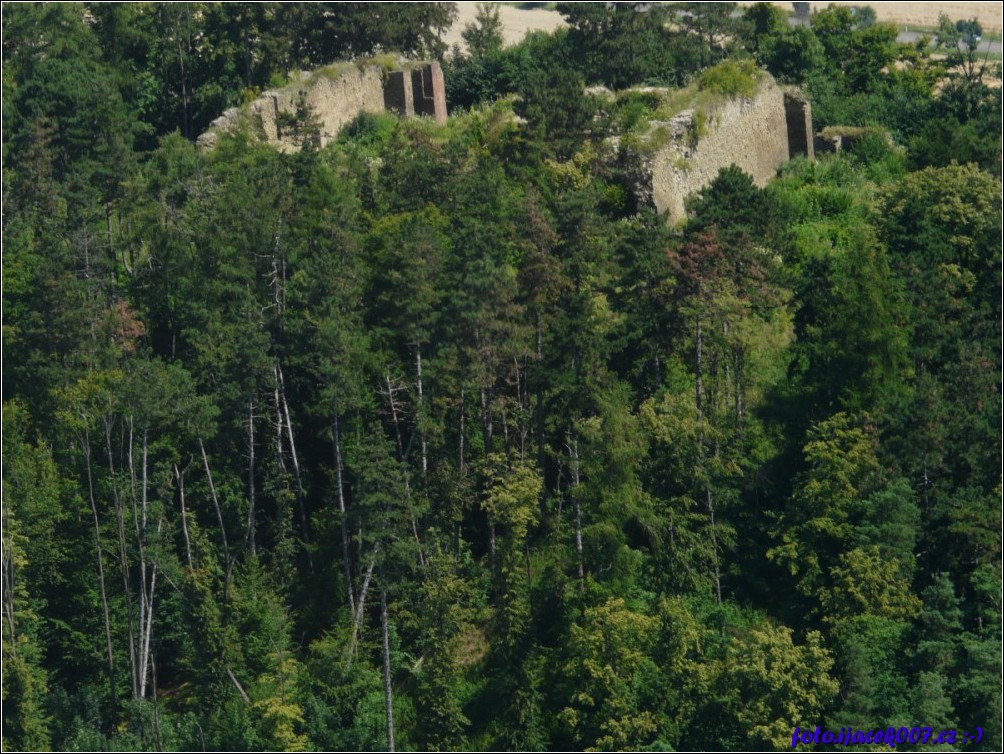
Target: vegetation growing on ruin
{"points": [[731, 78], [439, 438]]}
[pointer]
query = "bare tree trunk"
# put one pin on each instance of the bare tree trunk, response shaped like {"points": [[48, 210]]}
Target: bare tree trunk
{"points": [[184, 516], [462, 407], [573, 448], [237, 685], [300, 503], [184, 91], [363, 592], [714, 546], [713, 391], [357, 623], [346, 560], [705, 403], [7, 557], [123, 558], [132, 476], [146, 593], [523, 421], [491, 545], [727, 382], [101, 566], [421, 410], [144, 486], [156, 706], [561, 498], [250, 538], [393, 415], [111, 244], [505, 426], [540, 410], [486, 412], [147, 632], [185, 106], [738, 369], [216, 504], [927, 485], [388, 691], [279, 425], [414, 523], [402, 456], [699, 382]]}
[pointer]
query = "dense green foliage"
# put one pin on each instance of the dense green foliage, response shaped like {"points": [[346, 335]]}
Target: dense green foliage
{"points": [[437, 435]]}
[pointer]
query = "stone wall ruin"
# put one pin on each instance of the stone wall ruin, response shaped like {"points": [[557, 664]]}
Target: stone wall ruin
{"points": [[335, 97], [798, 116], [758, 134], [418, 91]]}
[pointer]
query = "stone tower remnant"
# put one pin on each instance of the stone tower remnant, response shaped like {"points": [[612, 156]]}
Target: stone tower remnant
{"points": [[419, 91], [399, 95], [798, 116], [430, 91]]}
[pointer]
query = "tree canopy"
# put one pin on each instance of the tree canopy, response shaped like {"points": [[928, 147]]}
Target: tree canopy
{"points": [[441, 437]]}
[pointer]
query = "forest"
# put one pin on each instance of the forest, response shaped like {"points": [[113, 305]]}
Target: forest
{"points": [[440, 438]]}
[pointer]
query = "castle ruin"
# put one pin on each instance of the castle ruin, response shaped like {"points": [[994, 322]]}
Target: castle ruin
{"points": [[336, 96], [758, 134]]}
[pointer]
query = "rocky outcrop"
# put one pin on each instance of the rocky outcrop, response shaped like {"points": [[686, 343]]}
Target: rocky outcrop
{"points": [[333, 98]]}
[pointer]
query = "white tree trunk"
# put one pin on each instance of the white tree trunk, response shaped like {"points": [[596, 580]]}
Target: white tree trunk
{"points": [[388, 691]]}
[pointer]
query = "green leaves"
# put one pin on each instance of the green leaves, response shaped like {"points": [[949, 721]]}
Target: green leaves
{"points": [[617, 485], [607, 659], [619, 45], [828, 503], [484, 36], [512, 496], [864, 583], [33, 503], [776, 682]]}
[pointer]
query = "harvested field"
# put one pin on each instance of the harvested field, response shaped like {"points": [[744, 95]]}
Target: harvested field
{"points": [[925, 14], [517, 22]]}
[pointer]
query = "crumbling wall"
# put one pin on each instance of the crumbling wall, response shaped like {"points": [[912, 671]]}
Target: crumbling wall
{"points": [[429, 90], [336, 97], [752, 133], [399, 94], [798, 115], [838, 138], [338, 101]]}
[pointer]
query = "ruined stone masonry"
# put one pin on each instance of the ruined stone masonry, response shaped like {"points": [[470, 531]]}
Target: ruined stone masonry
{"points": [[430, 91], [336, 98], [798, 116], [757, 134]]}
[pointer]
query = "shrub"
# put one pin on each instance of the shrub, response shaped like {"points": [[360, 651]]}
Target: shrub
{"points": [[733, 78]]}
